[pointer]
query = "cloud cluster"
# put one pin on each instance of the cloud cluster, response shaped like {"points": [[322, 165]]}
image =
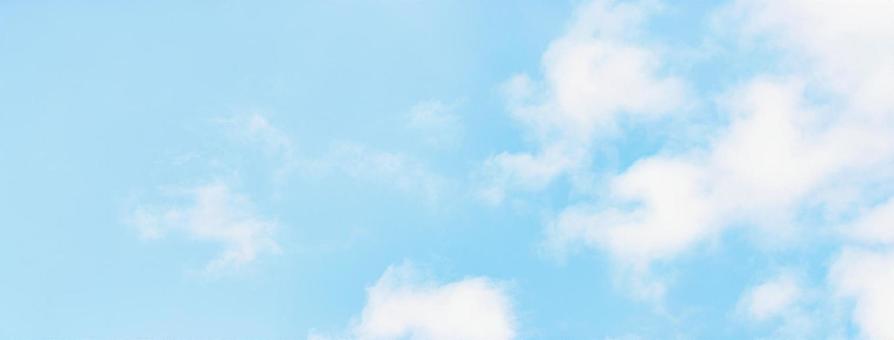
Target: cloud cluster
{"points": [[774, 157], [403, 306], [814, 135], [594, 74]]}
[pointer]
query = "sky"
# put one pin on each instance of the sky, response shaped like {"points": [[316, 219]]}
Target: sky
{"points": [[420, 169]]}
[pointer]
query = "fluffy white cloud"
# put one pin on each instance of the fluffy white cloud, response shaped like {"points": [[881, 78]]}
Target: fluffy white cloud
{"points": [[875, 225], [864, 272], [213, 214], [844, 50], [401, 306], [845, 45], [593, 73], [780, 151], [756, 170], [867, 277]]}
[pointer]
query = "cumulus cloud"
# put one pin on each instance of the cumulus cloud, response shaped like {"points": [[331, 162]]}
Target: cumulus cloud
{"points": [[844, 45], [593, 74], [875, 225], [863, 272], [778, 152], [756, 170], [866, 277], [843, 49], [212, 213], [403, 306]]}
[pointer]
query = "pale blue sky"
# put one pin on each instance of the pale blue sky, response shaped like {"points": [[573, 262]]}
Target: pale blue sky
{"points": [[393, 169]]}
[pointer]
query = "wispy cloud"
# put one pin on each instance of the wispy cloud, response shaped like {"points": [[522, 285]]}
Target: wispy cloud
{"points": [[391, 169], [789, 309], [256, 129], [436, 123], [212, 213]]}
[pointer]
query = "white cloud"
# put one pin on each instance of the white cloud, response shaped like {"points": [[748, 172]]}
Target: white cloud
{"points": [[436, 123], [771, 160], [772, 298], [875, 225], [400, 305], [864, 272], [592, 74], [844, 50], [755, 171], [867, 277], [843, 44], [788, 308], [780, 151], [213, 214]]}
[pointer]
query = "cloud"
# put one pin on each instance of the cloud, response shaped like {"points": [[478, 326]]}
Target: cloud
{"points": [[768, 163], [400, 305], [842, 44], [779, 152], [866, 277], [789, 308], [874, 226], [436, 123], [593, 74], [350, 159], [843, 50], [756, 170], [213, 214], [862, 271], [772, 298]]}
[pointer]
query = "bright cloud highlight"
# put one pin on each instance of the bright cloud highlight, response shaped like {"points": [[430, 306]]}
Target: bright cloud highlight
{"points": [[400, 305]]}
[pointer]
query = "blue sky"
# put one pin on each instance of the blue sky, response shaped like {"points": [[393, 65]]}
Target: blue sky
{"points": [[398, 169]]}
